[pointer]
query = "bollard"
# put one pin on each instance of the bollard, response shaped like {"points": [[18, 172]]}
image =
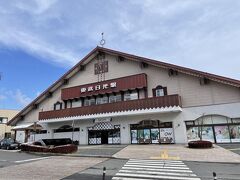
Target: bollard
{"points": [[104, 172], [214, 176]]}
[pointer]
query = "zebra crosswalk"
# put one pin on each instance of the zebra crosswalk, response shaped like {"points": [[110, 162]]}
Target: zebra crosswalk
{"points": [[136, 169]]}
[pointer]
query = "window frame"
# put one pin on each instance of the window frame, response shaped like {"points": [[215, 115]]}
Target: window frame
{"points": [[58, 104], [154, 91]]}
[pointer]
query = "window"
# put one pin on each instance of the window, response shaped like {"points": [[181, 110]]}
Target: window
{"points": [[58, 106], [86, 102], [92, 101], [102, 100], [130, 95], [76, 103], [89, 102], [159, 91], [3, 120], [115, 98], [69, 104]]}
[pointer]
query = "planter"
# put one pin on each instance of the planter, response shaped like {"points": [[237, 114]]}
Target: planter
{"points": [[64, 149], [200, 144]]}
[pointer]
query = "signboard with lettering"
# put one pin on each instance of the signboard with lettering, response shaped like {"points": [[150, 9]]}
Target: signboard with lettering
{"points": [[98, 87], [109, 86], [98, 120], [101, 67], [166, 135]]}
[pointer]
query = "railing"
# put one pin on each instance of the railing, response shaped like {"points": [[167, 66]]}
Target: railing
{"points": [[154, 102]]}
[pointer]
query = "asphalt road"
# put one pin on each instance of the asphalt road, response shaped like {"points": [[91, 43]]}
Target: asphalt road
{"points": [[204, 171], [226, 171], [232, 147], [12, 157], [96, 172]]}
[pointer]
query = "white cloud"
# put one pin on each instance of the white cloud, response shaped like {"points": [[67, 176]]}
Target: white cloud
{"points": [[200, 34], [21, 98], [16, 98], [34, 6]]}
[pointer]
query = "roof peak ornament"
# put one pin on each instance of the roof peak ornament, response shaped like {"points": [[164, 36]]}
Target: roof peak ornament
{"points": [[103, 41]]}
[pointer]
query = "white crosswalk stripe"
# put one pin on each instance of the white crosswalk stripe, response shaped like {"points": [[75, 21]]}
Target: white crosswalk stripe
{"points": [[143, 169]]}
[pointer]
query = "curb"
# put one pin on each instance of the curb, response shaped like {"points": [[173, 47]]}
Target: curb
{"points": [[70, 155], [112, 157]]}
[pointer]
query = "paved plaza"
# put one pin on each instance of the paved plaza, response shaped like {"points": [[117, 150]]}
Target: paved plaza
{"points": [[123, 162], [178, 152], [54, 168]]}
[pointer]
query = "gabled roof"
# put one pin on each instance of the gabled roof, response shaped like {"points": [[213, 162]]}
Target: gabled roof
{"points": [[94, 52]]}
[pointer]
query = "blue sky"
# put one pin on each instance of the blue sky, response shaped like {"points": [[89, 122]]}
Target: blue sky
{"points": [[42, 39]]}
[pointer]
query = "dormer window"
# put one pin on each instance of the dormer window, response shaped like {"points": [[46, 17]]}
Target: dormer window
{"points": [[159, 91], [58, 106]]}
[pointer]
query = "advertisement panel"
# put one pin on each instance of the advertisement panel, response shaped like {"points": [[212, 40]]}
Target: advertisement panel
{"points": [[147, 136], [222, 134], [192, 133], [140, 135], [166, 135], [155, 135], [235, 133], [207, 133], [134, 136]]}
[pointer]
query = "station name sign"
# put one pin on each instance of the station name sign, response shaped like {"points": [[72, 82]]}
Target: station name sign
{"points": [[105, 87], [98, 87]]}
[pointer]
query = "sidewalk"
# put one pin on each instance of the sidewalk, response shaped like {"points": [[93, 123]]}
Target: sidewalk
{"points": [[150, 151], [99, 150], [178, 152]]}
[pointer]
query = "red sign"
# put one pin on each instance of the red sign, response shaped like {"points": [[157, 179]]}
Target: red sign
{"points": [[109, 86]]}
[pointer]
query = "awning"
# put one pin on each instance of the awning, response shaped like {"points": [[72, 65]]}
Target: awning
{"points": [[171, 109], [27, 126]]}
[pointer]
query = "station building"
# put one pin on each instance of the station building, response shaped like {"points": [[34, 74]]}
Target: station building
{"points": [[111, 97]]}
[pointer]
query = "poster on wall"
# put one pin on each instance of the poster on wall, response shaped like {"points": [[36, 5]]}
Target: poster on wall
{"points": [[207, 133], [235, 133], [166, 135], [147, 136], [222, 134], [134, 136], [192, 133], [155, 135], [140, 136]]}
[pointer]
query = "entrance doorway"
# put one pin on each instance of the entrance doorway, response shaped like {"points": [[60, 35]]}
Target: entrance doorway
{"points": [[104, 133], [104, 137]]}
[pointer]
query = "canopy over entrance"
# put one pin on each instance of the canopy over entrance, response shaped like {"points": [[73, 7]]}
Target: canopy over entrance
{"points": [[29, 126], [149, 123]]}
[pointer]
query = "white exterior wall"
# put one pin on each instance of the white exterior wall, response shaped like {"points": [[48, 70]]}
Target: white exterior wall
{"points": [[124, 122], [20, 136], [178, 119], [37, 137]]}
